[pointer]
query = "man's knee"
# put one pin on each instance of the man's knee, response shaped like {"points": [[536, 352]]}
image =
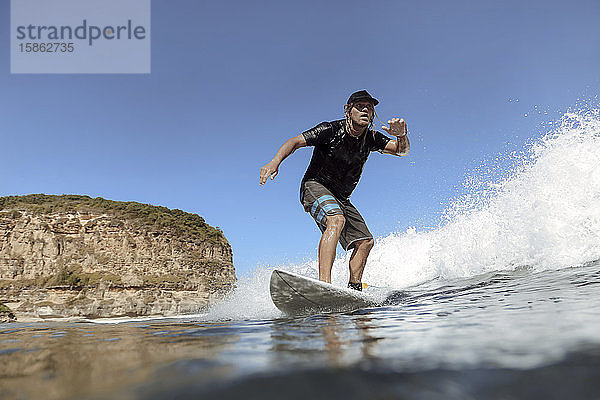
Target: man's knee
{"points": [[336, 222], [365, 244]]}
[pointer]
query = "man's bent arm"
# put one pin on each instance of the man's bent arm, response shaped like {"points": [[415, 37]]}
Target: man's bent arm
{"points": [[272, 168], [399, 147]]}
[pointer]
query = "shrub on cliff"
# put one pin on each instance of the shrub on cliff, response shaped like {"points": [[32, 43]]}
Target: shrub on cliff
{"points": [[154, 217], [6, 314]]}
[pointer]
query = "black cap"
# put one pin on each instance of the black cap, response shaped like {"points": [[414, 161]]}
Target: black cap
{"points": [[362, 95]]}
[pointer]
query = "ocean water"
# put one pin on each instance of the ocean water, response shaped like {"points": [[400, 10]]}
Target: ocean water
{"points": [[501, 301]]}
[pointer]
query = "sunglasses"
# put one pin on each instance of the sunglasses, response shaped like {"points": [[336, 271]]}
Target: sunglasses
{"points": [[362, 104]]}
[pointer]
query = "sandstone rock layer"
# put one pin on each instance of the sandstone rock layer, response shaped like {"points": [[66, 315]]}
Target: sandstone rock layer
{"points": [[66, 256]]}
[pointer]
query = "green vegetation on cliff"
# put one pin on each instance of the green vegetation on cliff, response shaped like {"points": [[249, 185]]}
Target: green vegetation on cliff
{"points": [[4, 309], [144, 215], [6, 314]]}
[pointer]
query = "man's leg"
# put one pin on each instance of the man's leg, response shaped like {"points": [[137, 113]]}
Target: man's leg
{"points": [[327, 245], [358, 259]]}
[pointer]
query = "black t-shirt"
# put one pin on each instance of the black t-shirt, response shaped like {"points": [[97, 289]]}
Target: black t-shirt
{"points": [[338, 158]]}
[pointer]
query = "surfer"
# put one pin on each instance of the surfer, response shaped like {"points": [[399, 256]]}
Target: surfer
{"points": [[341, 150]]}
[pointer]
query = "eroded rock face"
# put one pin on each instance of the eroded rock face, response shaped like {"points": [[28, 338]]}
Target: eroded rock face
{"points": [[96, 265]]}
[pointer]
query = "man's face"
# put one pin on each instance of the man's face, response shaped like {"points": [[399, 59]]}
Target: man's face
{"points": [[361, 113]]}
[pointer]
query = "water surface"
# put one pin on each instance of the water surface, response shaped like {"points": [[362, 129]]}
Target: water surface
{"points": [[521, 333]]}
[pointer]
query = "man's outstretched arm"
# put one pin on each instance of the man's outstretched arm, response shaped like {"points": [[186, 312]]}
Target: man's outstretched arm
{"points": [[400, 146], [272, 168]]}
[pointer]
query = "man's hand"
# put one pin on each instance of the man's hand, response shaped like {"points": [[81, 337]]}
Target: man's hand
{"points": [[397, 127], [271, 169], [400, 146]]}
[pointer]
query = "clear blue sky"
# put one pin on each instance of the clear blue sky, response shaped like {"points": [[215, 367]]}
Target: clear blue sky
{"points": [[231, 81]]}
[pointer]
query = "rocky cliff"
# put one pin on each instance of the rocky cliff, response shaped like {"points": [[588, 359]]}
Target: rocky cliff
{"points": [[63, 256]]}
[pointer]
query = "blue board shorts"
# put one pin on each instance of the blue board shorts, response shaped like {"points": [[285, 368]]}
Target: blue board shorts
{"points": [[320, 202]]}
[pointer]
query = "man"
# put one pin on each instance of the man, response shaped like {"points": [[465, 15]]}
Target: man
{"points": [[341, 150]]}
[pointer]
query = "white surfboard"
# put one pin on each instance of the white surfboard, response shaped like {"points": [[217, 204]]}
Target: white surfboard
{"points": [[298, 295]]}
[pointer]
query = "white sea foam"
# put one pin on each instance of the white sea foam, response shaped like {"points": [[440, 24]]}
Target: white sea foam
{"points": [[543, 214], [250, 298]]}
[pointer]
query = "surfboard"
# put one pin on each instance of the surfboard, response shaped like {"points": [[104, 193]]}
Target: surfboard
{"points": [[299, 295]]}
